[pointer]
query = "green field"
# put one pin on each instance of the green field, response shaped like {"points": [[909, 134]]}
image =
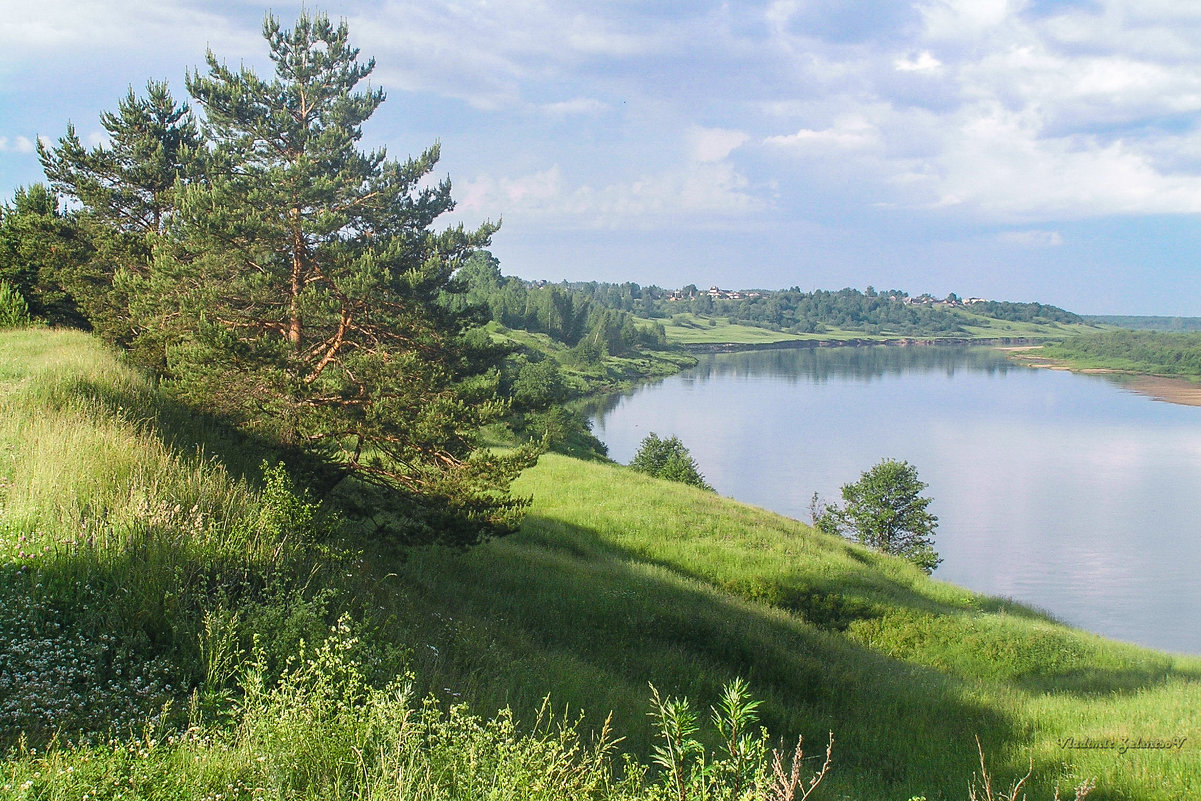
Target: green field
{"points": [[137, 538], [691, 329], [983, 327]]}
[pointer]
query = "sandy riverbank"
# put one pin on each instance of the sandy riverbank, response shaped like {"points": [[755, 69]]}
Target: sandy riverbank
{"points": [[1161, 388]]}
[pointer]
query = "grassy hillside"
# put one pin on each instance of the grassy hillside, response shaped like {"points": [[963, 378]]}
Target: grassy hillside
{"points": [[620, 580], [127, 547], [1145, 322]]}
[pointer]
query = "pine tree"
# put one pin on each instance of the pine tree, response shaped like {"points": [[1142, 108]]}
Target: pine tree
{"points": [[125, 192], [41, 250], [301, 294]]}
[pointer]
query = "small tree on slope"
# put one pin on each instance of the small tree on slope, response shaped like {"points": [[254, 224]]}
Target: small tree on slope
{"points": [[668, 459], [885, 510]]}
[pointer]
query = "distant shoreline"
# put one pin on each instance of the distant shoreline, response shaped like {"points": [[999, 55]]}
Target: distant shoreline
{"points": [[1169, 389], [798, 344]]}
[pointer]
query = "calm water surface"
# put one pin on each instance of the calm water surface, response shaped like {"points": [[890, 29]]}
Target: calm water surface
{"points": [[1059, 490]]}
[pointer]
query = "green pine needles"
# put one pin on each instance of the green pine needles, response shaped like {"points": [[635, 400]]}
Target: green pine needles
{"points": [[14, 311], [282, 277]]}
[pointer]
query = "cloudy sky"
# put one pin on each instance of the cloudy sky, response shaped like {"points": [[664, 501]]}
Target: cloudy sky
{"points": [[1042, 150]]}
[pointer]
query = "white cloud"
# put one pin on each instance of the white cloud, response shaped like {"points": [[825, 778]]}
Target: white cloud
{"points": [[1150, 29], [1022, 115], [714, 144], [849, 133], [999, 164], [1033, 238], [50, 30], [966, 19], [996, 108], [18, 144], [578, 105], [922, 62], [696, 194], [1074, 92], [487, 53], [594, 35]]}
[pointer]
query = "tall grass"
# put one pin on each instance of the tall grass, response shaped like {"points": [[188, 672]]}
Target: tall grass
{"points": [[114, 544], [160, 600]]}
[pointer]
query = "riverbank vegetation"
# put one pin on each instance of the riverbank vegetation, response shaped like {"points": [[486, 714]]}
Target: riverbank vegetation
{"points": [[1145, 322], [696, 331], [1142, 352], [593, 316], [793, 311]]}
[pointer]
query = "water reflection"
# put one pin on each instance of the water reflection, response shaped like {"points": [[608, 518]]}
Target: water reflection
{"points": [[1057, 489], [864, 364]]}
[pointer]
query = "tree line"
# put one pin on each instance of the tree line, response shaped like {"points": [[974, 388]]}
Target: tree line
{"points": [[563, 312], [1142, 351], [795, 311]]}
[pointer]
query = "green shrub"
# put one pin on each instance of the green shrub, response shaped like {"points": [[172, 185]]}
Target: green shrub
{"points": [[668, 459]]}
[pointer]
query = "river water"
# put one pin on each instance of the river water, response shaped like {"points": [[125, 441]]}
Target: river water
{"points": [[1059, 490]]}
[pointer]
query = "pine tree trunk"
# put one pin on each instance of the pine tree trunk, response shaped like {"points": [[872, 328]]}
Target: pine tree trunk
{"points": [[298, 264]]}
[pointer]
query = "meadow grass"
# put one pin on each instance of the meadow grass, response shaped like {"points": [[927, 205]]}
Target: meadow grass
{"points": [[155, 600], [691, 329]]}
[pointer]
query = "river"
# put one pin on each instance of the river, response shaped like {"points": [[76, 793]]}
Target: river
{"points": [[1059, 490]]}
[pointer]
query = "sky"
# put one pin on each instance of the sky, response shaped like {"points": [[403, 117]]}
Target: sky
{"points": [[1029, 150]]}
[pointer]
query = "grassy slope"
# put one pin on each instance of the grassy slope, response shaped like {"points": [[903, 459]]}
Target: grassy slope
{"points": [[617, 580], [691, 329], [615, 371]]}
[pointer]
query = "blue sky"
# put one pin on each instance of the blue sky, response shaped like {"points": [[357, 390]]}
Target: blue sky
{"points": [[1012, 149]]}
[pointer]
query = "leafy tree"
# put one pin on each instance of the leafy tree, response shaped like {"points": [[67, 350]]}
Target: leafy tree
{"points": [[884, 510], [668, 459], [564, 430], [538, 385], [301, 291]]}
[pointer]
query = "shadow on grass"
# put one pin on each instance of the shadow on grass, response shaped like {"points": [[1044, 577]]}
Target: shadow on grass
{"points": [[592, 623], [193, 432], [594, 626], [979, 637]]}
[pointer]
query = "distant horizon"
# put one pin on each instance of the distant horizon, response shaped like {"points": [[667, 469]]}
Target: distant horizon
{"points": [[909, 293], [1032, 150]]}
